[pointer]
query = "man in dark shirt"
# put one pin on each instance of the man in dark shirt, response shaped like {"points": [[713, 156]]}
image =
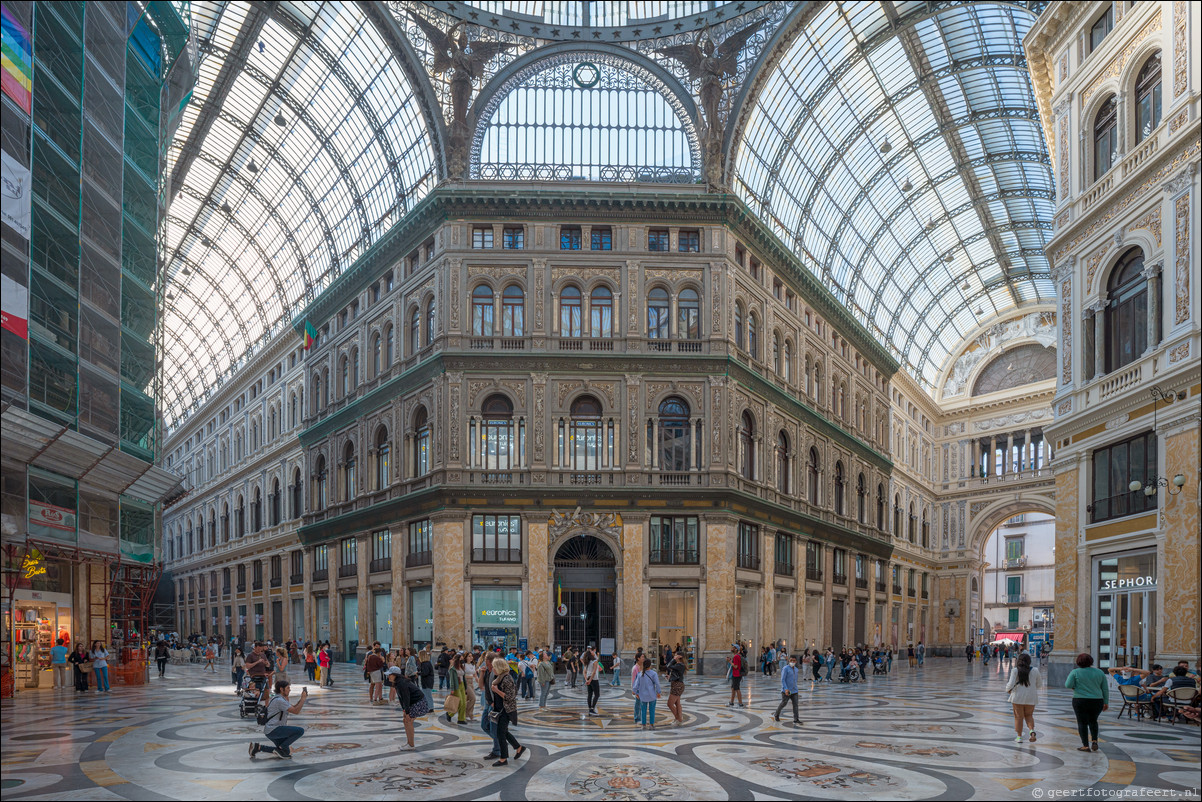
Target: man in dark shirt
{"points": [[442, 666], [373, 666]]}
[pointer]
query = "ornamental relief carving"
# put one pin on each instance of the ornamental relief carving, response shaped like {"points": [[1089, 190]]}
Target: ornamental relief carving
{"points": [[1179, 353], [632, 288], [586, 274], [1181, 267], [1091, 265], [1066, 332], [540, 268], [694, 391], [539, 416], [1149, 222], [1180, 47], [632, 432], [672, 275], [1115, 67], [1009, 421], [606, 388], [454, 267], [516, 388]]}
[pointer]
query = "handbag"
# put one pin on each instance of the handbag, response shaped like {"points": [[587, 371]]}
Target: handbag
{"points": [[85, 667], [450, 704]]}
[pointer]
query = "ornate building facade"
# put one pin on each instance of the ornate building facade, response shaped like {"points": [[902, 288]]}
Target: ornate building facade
{"points": [[1117, 85]]}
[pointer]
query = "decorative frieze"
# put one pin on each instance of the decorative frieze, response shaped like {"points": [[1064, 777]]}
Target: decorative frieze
{"points": [[1182, 267], [1180, 47], [1149, 222]]}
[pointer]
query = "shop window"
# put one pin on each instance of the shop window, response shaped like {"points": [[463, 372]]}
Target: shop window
{"points": [[419, 544], [1115, 467], [674, 540], [497, 538], [748, 546]]}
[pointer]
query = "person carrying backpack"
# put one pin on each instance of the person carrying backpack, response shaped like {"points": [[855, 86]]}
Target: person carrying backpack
{"points": [[274, 720]]}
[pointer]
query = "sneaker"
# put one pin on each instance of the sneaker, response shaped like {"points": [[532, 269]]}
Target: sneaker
{"points": [[284, 755], [1018, 739], [1032, 736], [278, 754], [1093, 747], [405, 747], [253, 750]]}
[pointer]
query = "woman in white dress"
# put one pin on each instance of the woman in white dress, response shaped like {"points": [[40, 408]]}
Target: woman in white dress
{"points": [[1023, 687]]}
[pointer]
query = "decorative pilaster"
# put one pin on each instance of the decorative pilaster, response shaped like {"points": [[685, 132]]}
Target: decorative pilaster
{"points": [[1152, 274]]}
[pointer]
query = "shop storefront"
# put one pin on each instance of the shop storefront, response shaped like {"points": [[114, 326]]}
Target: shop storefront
{"points": [[673, 619], [350, 627], [747, 617], [421, 607], [782, 616], [323, 618], [496, 617], [39, 615], [382, 623], [1125, 587], [298, 620]]}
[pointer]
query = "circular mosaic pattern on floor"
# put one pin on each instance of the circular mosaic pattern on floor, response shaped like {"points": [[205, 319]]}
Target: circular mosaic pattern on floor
{"points": [[627, 775], [935, 754], [608, 721], [432, 772]]}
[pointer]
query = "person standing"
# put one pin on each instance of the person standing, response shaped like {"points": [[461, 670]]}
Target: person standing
{"points": [[592, 681], [921, 652], [310, 663], [615, 668], [210, 657], [457, 688], [326, 664], [282, 734], [161, 655], [527, 667], [676, 672], [505, 705], [1091, 698], [485, 677], [546, 678], [912, 658], [788, 690], [82, 662], [373, 667], [280, 671], [58, 662], [647, 691], [968, 650], [238, 670], [831, 660], [443, 665], [1023, 687], [737, 665], [413, 706], [100, 666], [425, 670], [470, 686]]}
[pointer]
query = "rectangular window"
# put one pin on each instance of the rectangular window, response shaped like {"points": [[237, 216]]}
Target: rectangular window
{"points": [[257, 575], [602, 239], [1014, 589], [482, 237], [674, 540], [321, 560], [1115, 467], [657, 239], [297, 572], [749, 546], [513, 238], [689, 242], [381, 551], [348, 554], [753, 267], [497, 538], [840, 567], [1101, 27], [813, 561], [1014, 548], [778, 289], [419, 544], [569, 238], [783, 549], [277, 570]]}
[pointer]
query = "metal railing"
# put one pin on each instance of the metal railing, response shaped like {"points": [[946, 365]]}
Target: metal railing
{"points": [[321, 575], [348, 570], [862, 584], [496, 555], [1015, 562], [749, 561], [814, 574], [784, 569], [418, 558], [674, 556], [381, 564]]}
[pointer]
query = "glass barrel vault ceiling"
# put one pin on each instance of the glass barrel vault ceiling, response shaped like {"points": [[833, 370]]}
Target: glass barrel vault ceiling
{"points": [[943, 228], [285, 167], [304, 142]]}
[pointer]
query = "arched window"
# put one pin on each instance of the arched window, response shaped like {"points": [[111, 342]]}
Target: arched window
{"points": [[383, 454], [316, 395], [225, 523], [776, 353], [200, 531], [740, 340], [897, 516], [861, 500], [585, 435], [421, 443], [349, 464], [513, 311], [415, 331], [688, 315], [812, 477], [1127, 311], [675, 439], [482, 311], [430, 321], [658, 310], [880, 507], [782, 462], [926, 531], [747, 446], [276, 500], [570, 311], [913, 524], [601, 312], [344, 375], [788, 361], [297, 498], [377, 355], [387, 347], [354, 369], [1105, 137], [840, 482], [320, 494], [753, 336], [1147, 98], [497, 434], [809, 378], [240, 517]]}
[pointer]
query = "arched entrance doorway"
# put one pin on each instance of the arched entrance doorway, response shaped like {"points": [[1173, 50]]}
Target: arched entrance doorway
{"points": [[585, 593]]}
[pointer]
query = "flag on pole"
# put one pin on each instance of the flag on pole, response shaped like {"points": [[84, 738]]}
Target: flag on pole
{"points": [[310, 335]]}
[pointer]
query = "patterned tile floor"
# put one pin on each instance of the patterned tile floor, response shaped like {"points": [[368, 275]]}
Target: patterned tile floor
{"points": [[940, 732]]}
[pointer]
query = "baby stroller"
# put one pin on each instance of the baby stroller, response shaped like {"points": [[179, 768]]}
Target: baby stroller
{"points": [[878, 666], [254, 693]]}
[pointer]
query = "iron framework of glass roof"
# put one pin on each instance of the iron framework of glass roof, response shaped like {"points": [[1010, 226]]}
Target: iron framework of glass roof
{"points": [[895, 147]]}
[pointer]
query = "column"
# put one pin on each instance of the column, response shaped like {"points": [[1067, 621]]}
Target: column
{"points": [[1152, 274], [1008, 458], [333, 561], [721, 536], [1027, 460], [769, 631], [537, 591], [869, 568], [450, 587], [367, 603], [828, 570], [1099, 337], [400, 593]]}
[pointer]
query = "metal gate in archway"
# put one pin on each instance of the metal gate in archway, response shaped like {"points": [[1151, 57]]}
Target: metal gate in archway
{"points": [[586, 585]]}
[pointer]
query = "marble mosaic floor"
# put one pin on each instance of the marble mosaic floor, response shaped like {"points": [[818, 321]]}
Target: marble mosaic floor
{"points": [[940, 732]]}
